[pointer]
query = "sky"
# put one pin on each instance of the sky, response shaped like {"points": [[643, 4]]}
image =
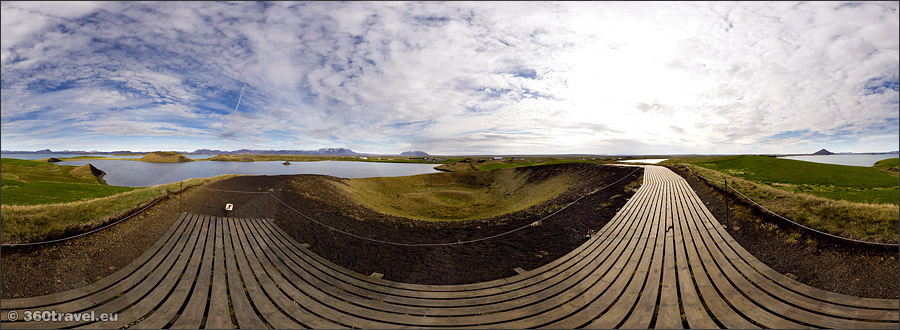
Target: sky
{"points": [[451, 78]]}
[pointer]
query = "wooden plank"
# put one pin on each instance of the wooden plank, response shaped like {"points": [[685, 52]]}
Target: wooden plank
{"points": [[605, 289], [57, 298], [267, 311], [244, 313], [662, 244], [402, 288], [728, 290], [260, 261], [644, 283], [762, 298], [389, 297], [219, 316], [695, 312], [157, 289], [668, 315], [127, 299], [192, 316], [178, 297], [124, 285], [715, 303]]}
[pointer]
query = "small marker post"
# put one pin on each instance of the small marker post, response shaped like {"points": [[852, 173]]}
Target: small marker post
{"points": [[180, 202], [727, 220], [587, 212]]}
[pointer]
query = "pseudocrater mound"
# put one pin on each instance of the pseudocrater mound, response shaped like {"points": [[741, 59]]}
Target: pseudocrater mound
{"points": [[165, 157], [459, 195]]}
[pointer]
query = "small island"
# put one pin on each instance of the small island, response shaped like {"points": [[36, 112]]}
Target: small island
{"points": [[165, 157]]}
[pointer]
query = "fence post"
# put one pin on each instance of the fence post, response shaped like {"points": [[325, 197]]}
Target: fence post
{"points": [[181, 196], [587, 212], [727, 220]]}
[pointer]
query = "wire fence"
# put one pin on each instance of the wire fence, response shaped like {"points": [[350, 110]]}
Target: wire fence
{"points": [[789, 221], [530, 224], [269, 193], [91, 231]]}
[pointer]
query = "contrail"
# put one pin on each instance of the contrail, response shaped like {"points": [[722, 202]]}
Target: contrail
{"points": [[240, 97]]}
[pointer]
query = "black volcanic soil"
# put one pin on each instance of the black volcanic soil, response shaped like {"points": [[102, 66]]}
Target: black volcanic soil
{"points": [[833, 266], [54, 268]]}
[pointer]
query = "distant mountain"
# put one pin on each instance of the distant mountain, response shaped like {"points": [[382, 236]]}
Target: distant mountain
{"points": [[823, 152], [414, 154], [320, 152]]}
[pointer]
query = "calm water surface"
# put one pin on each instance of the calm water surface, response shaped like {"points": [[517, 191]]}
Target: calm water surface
{"points": [[852, 160], [42, 156], [141, 174]]}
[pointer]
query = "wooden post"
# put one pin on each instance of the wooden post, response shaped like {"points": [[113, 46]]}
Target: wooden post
{"points": [[269, 205], [727, 220], [180, 196], [587, 212]]}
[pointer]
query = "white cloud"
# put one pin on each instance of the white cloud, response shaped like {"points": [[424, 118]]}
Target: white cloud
{"points": [[460, 77]]}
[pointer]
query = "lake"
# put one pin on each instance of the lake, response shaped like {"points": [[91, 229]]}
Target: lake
{"points": [[142, 174], [42, 156], [852, 160]]}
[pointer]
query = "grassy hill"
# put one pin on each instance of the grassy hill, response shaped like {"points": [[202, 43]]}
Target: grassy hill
{"points": [[28, 182], [165, 157]]}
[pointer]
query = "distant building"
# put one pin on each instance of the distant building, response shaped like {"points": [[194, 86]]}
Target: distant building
{"points": [[497, 158], [363, 158]]}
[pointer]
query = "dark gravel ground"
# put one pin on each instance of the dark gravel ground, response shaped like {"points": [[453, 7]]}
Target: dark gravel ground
{"points": [[35, 271], [491, 259], [825, 264], [54, 268], [59, 267]]}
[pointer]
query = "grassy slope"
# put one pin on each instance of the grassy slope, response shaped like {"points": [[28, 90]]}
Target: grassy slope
{"points": [[891, 165], [822, 210], [27, 223], [850, 183], [27, 182], [453, 196]]}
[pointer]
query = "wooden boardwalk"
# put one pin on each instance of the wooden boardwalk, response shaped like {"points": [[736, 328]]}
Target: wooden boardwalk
{"points": [[661, 262]]}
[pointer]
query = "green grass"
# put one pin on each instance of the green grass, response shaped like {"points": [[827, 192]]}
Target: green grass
{"points": [[55, 192], [865, 221], [892, 165], [850, 183], [26, 182], [454, 196], [29, 170], [28, 223]]}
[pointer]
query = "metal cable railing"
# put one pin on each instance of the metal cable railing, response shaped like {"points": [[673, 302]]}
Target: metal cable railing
{"points": [[91, 231], [530, 224], [792, 222]]}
